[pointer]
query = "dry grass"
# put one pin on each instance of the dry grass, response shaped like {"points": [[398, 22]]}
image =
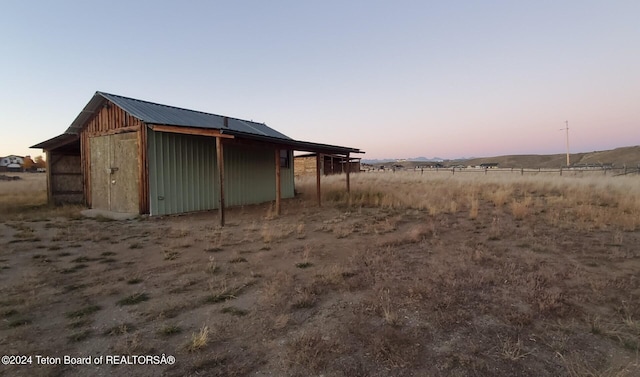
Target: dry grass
{"points": [[432, 275], [26, 199], [564, 201], [199, 339]]}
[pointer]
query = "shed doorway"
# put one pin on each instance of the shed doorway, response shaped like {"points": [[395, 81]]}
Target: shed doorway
{"points": [[114, 172]]}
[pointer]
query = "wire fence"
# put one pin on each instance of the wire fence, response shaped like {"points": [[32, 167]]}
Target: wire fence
{"points": [[611, 171]]}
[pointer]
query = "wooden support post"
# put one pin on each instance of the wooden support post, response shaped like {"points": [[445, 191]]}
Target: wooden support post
{"points": [[278, 183], [220, 158], [347, 170], [49, 165], [318, 158]]}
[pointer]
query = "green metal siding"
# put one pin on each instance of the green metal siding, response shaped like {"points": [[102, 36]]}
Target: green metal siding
{"points": [[250, 175], [183, 174]]}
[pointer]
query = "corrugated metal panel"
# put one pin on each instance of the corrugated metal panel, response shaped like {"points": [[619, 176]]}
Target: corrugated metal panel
{"points": [[183, 174], [250, 175], [153, 113]]}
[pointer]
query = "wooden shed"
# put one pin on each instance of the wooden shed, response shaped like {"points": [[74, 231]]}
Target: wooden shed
{"points": [[126, 155], [305, 164]]}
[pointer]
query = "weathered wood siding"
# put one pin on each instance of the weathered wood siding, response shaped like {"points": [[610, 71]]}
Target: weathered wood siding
{"points": [[114, 172], [64, 178], [111, 120], [304, 165]]}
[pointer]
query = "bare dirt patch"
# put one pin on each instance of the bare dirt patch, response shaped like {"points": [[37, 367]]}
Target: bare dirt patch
{"points": [[480, 287]]}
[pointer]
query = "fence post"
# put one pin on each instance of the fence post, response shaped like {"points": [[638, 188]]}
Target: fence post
{"points": [[521, 171], [453, 171], [421, 171], [561, 171], [485, 171]]}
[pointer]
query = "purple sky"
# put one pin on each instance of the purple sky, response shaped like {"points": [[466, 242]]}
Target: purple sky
{"points": [[396, 79]]}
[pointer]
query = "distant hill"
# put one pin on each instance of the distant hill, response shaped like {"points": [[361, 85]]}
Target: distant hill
{"points": [[387, 160], [629, 156]]}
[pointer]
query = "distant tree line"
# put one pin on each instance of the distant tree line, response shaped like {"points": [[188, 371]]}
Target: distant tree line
{"points": [[34, 164]]}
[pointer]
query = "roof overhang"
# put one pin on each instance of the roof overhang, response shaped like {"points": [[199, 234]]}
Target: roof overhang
{"points": [[326, 155], [94, 105], [305, 146], [298, 145], [101, 99], [57, 142]]}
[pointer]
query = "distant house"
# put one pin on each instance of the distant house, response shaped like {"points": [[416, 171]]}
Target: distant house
{"points": [[12, 163], [306, 164], [489, 165], [127, 155]]}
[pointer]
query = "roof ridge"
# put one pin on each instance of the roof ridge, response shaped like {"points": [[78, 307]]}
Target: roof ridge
{"points": [[105, 94]]}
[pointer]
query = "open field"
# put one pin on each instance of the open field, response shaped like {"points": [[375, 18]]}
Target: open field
{"points": [[434, 275], [619, 157]]}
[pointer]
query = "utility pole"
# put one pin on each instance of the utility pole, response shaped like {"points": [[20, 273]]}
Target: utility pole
{"points": [[567, 129]]}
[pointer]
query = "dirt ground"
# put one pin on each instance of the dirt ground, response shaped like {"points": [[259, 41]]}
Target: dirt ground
{"points": [[331, 291]]}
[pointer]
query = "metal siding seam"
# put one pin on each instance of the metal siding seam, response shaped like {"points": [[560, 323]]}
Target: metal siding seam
{"points": [[178, 179], [159, 172], [202, 197], [161, 167], [196, 177], [215, 180], [174, 172], [151, 161], [164, 168], [170, 197], [154, 169], [151, 150], [192, 177]]}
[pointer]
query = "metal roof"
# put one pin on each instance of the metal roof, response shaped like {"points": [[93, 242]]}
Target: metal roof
{"points": [[297, 144], [157, 114], [154, 113]]}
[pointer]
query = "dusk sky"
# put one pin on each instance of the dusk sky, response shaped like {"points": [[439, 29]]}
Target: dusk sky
{"points": [[396, 79]]}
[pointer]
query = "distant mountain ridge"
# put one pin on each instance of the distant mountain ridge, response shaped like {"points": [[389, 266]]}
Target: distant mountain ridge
{"points": [[629, 156], [415, 159]]}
